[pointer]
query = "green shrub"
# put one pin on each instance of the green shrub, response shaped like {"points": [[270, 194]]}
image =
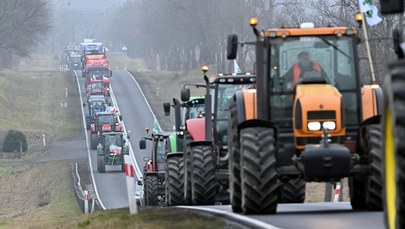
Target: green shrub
{"points": [[15, 141]]}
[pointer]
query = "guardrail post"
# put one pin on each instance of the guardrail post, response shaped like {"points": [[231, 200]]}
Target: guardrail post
{"points": [[86, 202], [129, 172]]}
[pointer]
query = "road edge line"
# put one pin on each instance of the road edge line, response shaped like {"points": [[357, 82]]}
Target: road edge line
{"points": [[87, 145]]}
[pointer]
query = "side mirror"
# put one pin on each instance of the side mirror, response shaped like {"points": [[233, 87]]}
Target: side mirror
{"points": [[129, 133], [185, 94], [166, 108], [397, 40], [142, 144], [110, 73], [84, 104], [120, 117], [232, 47]]}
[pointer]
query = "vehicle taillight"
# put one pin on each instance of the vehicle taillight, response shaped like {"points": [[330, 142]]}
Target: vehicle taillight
{"points": [[106, 127]]}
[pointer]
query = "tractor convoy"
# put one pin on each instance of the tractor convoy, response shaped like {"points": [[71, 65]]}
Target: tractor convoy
{"points": [[254, 140], [102, 119]]}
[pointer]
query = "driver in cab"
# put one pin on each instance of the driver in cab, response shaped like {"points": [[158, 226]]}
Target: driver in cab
{"points": [[303, 66]]}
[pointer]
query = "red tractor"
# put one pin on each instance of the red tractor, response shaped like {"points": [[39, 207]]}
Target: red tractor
{"points": [[97, 88], [104, 122]]}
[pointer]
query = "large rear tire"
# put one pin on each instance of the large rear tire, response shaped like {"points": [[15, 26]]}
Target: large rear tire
{"points": [[234, 159], [151, 195], [188, 168], [292, 191], [394, 147], [366, 191], [93, 140], [259, 178], [175, 180], [203, 185], [101, 164]]}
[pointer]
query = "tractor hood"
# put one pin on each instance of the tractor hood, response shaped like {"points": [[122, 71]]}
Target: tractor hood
{"points": [[115, 150]]}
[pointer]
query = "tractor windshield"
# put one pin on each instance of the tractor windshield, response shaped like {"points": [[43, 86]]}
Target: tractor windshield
{"points": [[106, 119], [194, 108], [98, 72], [294, 59], [113, 139], [222, 96]]}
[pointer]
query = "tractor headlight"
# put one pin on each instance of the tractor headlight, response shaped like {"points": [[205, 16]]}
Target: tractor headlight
{"points": [[312, 126], [329, 125]]}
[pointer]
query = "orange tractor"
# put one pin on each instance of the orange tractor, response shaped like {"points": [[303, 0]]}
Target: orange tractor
{"points": [[317, 125]]}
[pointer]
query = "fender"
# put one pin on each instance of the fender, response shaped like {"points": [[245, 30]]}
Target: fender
{"points": [[174, 154], [372, 101], [196, 128], [362, 132], [246, 104], [258, 123]]}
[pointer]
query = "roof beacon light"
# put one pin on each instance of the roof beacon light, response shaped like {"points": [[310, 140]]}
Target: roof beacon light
{"points": [[204, 68], [306, 25], [253, 21]]}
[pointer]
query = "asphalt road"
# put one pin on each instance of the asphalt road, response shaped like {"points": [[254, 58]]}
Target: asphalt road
{"points": [[111, 185], [136, 114]]}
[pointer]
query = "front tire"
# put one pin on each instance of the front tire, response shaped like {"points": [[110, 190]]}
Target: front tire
{"points": [[151, 195], [203, 184], [175, 180], [234, 159], [293, 191], [101, 164], [366, 191], [188, 168], [259, 178], [394, 147], [93, 140]]}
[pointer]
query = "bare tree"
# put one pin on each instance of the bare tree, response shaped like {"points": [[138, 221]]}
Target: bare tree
{"points": [[22, 25]]}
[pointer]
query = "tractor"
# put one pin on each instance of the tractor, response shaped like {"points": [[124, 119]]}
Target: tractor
{"points": [[205, 159], [394, 128], [154, 169], [104, 122], [95, 104], [111, 150], [319, 126], [193, 108]]}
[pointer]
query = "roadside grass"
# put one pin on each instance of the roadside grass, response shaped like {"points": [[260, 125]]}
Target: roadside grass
{"points": [[32, 101], [151, 218]]}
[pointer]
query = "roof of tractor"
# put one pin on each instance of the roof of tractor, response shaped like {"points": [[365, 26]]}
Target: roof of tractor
{"points": [[105, 113], [233, 78], [162, 134], [195, 98], [113, 133], [96, 97], [319, 31]]}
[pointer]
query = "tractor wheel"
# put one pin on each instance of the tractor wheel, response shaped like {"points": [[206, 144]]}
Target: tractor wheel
{"points": [[188, 167], [259, 179], [87, 123], [234, 159], [203, 184], [366, 192], [292, 191], [93, 140], [101, 164], [394, 146], [175, 180], [151, 190]]}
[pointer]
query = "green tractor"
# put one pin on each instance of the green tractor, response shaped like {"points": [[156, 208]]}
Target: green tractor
{"points": [[194, 107], [111, 150], [154, 169]]}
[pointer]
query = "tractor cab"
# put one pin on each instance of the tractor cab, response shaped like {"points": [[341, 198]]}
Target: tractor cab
{"points": [[222, 90]]}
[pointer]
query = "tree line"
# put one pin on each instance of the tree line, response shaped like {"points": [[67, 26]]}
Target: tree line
{"points": [[181, 35]]}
